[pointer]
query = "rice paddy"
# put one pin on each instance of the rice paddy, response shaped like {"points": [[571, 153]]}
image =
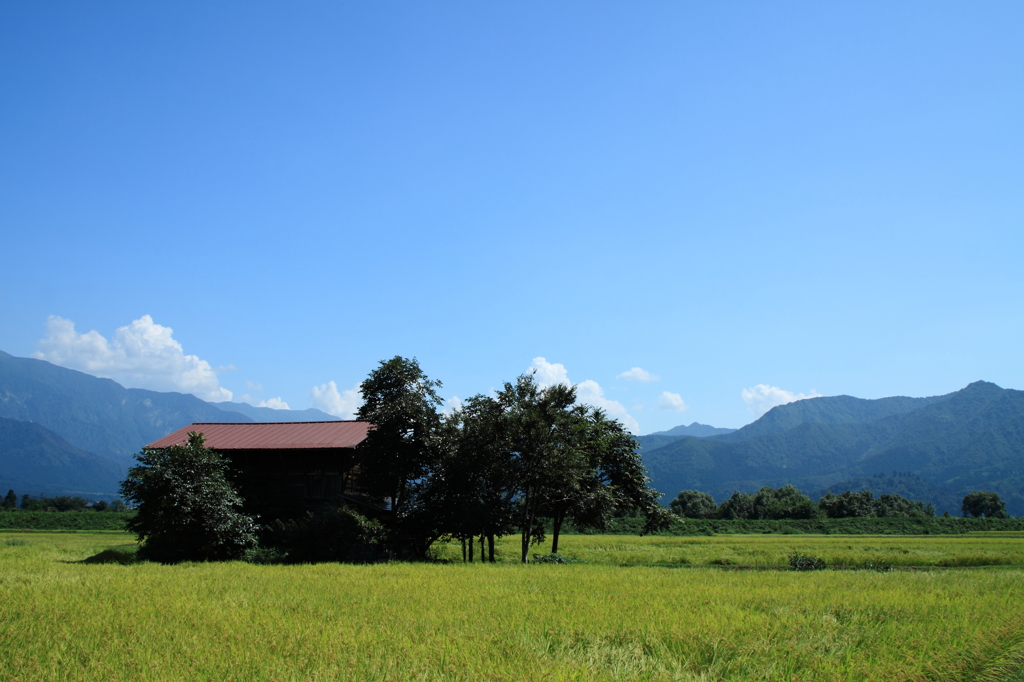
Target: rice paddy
{"points": [[641, 609]]}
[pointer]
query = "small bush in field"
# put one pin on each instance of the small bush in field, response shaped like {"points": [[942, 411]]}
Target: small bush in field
{"points": [[805, 562], [554, 559]]}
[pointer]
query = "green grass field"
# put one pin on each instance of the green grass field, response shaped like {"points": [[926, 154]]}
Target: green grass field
{"points": [[629, 614]]}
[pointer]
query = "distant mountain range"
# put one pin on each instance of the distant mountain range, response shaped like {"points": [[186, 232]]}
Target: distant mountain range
{"points": [[269, 414], [67, 432], [696, 430], [936, 449], [35, 460]]}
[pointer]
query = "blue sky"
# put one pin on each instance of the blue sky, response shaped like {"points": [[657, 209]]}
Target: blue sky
{"points": [[750, 202]]}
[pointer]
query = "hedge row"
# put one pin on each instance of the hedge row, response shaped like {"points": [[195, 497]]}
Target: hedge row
{"points": [[853, 526], [69, 520]]}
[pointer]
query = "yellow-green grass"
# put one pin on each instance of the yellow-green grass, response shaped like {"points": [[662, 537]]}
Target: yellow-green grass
{"points": [[60, 619], [855, 551]]}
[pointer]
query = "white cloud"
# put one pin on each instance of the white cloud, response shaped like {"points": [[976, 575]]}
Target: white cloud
{"points": [[591, 393], [672, 402], [588, 392], [549, 374], [141, 355], [342, 404], [638, 374], [452, 404], [274, 404], [254, 385], [763, 397]]}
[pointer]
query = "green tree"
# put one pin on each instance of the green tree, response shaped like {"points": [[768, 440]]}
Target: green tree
{"points": [[472, 491], [897, 506], [739, 506], [401, 449], [981, 503], [187, 510], [694, 504], [612, 481], [533, 428], [786, 502], [848, 504], [10, 501]]}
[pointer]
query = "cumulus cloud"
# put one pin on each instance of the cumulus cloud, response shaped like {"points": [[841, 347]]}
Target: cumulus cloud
{"points": [[588, 392], [274, 404], [763, 397], [141, 355], [672, 402], [342, 404], [452, 404], [591, 393], [549, 374], [638, 374]]}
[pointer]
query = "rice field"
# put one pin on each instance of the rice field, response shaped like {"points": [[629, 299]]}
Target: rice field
{"points": [[854, 551], [637, 611]]}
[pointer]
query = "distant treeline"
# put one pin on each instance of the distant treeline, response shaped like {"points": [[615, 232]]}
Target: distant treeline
{"points": [[70, 520], [934, 525], [789, 503], [60, 503]]}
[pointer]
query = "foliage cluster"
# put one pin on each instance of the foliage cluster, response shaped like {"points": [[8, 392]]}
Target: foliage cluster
{"points": [[68, 521], [496, 465], [59, 503], [983, 504], [187, 510], [806, 562], [823, 526], [789, 503]]}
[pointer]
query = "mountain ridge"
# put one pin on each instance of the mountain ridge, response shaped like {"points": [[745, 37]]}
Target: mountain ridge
{"points": [[972, 438]]}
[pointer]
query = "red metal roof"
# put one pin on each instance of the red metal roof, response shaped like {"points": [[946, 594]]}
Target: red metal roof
{"points": [[272, 436]]}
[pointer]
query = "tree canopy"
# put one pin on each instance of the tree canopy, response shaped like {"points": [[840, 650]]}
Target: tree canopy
{"points": [[788, 502], [187, 510], [982, 503]]}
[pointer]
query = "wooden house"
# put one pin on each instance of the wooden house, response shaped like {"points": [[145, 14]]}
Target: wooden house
{"points": [[285, 469]]}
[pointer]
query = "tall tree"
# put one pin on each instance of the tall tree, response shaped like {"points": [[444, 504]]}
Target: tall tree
{"points": [[10, 501], [187, 510], [694, 504], [607, 476], [534, 427], [401, 449], [983, 503]]}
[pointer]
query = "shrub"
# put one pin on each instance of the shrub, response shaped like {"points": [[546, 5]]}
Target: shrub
{"points": [[554, 559], [805, 562], [187, 509], [113, 556], [341, 534]]}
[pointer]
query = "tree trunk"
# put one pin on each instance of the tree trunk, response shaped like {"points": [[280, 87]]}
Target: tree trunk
{"points": [[556, 527], [470, 549], [531, 514], [490, 546]]}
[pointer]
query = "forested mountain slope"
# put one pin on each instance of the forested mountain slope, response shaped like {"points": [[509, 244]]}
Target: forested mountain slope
{"points": [[96, 415], [35, 460], [970, 439]]}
